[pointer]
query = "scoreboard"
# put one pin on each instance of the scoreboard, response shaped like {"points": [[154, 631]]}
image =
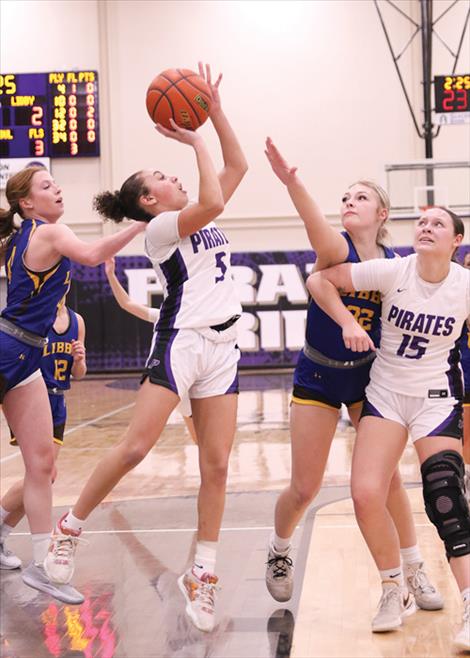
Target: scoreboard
{"points": [[53, 114], [452, 98]]}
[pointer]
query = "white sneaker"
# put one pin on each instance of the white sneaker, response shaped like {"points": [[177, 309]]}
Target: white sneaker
{"points": [[199, 595], [35, 576], [60, 559], [394, 605], [462, 639], [426, 595], [7, 559], [279, 575]]}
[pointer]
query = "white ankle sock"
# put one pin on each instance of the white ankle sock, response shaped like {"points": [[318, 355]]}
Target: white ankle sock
{"points": [[394, 575], [41, 541], [71, 522], [411, 555], [205, 557], [5, 531], [465, 595], [279, 544], [3, 514]]}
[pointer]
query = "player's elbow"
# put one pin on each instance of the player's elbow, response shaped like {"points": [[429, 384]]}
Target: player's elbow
{"points": [[313, 282], [93, 257], [214, 209]]}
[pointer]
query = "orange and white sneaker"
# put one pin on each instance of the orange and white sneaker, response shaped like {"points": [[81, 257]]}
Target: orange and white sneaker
{"points": [[59, 564], [199, 594]]}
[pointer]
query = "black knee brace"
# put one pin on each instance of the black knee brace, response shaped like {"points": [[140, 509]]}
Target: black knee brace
{"points": [[444, 499]]}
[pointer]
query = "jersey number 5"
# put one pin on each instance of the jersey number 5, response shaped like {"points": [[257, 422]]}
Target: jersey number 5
{"points": [[409, 344], [219, 262]]}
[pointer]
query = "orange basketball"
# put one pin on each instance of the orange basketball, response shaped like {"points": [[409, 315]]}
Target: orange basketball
{"points": [[181, 95]]}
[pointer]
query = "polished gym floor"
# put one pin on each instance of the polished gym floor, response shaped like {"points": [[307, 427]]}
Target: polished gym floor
{"points": [[141, 539]]}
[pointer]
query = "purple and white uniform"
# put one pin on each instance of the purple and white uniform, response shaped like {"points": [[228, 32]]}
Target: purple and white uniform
{"points": [[416, 378], [194, 349]]}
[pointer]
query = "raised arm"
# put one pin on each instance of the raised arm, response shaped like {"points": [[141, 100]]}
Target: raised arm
{"points": [[210, 201], [330, 246], [79, 367], [235, 164], [121, 296], [51, 241], [325, 288]]}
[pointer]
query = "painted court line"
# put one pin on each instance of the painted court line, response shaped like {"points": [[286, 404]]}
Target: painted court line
{"points": [[150, 531], [78, 427]]}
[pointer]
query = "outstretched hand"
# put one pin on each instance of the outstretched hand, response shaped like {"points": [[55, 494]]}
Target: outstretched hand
{"points": [[356, 339], [213, 86], [280, 167], [179, 134]]}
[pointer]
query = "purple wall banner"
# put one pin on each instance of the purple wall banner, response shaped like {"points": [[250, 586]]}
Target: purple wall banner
{"points": [[271, 330]]}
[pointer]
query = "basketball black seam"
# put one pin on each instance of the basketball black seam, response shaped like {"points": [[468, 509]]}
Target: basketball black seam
{"points": [[172, 84], [175, 84], [192, 75]]}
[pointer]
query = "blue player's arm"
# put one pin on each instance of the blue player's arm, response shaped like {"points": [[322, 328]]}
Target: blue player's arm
{"points": [[325, 288], [78, 351], [330, 246]]}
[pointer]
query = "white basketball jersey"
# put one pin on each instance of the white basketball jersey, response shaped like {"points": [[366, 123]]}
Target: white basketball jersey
{"points": [[195, 273], [421, 326]]}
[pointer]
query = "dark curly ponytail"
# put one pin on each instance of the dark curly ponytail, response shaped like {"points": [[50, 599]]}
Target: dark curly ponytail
{"points": [[118, 205]]}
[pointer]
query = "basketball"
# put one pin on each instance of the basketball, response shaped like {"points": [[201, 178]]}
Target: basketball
{"points": [[181, 95]]}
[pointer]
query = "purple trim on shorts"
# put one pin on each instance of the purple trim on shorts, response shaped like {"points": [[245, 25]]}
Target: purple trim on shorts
{"points": [[168, 369], [234, 387], [175, 272], [368, 409], [454, 374], [447, 421]]}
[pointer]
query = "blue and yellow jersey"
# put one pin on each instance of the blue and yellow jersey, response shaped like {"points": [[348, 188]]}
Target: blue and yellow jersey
{"points": [[33, 297], [325, 336], [465, 357], [57, 359]]}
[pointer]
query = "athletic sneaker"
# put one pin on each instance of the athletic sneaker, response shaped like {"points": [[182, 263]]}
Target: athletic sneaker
{"points": [[60, 559], [279, 575], [462, 639], [199, 594], [394, 605], [7, 559], [426, 595], [35, 576]]}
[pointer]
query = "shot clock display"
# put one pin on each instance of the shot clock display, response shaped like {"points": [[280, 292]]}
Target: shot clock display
{"points": [[51, 114], [452, 93]]}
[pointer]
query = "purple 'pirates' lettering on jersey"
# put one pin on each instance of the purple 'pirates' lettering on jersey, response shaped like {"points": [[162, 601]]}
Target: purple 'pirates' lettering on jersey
{"points": [[57, 358], [421, 327], [33, 297], [324, 335], [207, 238], [195, 273]]}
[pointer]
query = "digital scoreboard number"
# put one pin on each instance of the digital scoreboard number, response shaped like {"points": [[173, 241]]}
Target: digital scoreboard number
{"points": [[452, 93], [51, 114]]}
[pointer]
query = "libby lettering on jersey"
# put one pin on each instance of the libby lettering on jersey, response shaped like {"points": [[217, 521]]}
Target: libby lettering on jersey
{"points": [[57, 347], [423, 323], [438, 393], [208, 238]]}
